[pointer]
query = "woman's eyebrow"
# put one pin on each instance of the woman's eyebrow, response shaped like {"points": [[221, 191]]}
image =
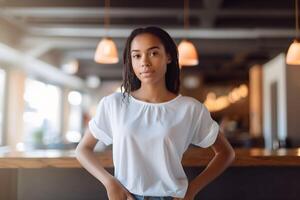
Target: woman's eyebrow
{"points": [[155, 47], [151, 48]]}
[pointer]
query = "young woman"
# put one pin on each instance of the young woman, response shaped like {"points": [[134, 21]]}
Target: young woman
{"points": [[150, 126]]}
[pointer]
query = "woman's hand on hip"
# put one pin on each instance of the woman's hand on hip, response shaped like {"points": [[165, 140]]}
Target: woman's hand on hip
{"points": [[116, 191], [189, 195], [185, 198]]}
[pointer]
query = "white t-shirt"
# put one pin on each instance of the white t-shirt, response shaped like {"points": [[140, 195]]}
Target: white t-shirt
{"points": [[149, 140]]}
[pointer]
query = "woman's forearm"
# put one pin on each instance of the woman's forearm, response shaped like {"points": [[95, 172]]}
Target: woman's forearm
{"points": [[91, 163], [215, 167]]}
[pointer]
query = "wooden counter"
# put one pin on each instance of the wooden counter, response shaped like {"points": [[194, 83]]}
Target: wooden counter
{"points": [[193, 157], [256, 174]]}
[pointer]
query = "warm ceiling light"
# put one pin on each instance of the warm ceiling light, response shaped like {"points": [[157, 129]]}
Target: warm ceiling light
{"points": [[106, 52], [293, 54], [187, 52]]}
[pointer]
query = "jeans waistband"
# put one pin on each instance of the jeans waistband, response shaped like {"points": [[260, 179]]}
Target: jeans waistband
{"points": [[141, 197]]}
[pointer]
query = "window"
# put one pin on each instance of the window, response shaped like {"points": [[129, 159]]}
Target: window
{"points": [[2, 98], [42, 113]]}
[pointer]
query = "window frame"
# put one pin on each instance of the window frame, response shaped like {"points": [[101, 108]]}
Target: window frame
{"points": [[3, 128]]}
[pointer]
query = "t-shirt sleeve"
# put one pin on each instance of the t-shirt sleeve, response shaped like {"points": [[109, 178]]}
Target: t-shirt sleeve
{"points": [[206, 129], [99, 125]]}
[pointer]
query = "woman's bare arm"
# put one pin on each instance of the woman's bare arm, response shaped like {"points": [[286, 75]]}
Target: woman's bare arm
{"points": [[224, 156], [86, 156]]}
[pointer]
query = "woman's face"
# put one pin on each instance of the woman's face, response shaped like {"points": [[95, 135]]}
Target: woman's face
{"points": [[149, 59]]}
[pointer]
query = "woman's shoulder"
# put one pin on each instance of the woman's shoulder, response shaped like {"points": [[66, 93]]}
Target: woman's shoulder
{"points": [[113, 97], [193, 105], [191, 101]]}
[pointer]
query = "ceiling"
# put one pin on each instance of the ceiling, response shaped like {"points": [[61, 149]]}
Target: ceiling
{"points": [[230, 35]]}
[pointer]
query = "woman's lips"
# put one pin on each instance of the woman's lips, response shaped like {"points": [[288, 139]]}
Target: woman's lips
{"points": [[147, 73]]}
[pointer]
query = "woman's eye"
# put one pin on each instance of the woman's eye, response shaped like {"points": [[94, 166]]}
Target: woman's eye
{"points": [[135, 56], [154, 53]]}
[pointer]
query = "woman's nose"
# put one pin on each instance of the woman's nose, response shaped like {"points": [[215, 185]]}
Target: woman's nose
{"points": [[145, 61]]}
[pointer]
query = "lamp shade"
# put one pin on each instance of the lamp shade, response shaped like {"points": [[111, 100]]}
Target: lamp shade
{"points": [[187, 54], [106, 52], [293, 54]]}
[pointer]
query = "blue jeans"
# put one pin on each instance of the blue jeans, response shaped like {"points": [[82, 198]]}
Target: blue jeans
{"points": [[140, 197]]}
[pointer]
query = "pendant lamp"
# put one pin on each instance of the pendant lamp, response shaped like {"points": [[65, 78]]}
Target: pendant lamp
{"points": [[106, 52], [187, 51], [293, 54]]}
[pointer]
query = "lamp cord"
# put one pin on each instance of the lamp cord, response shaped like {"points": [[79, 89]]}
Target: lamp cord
{"points": [[296, 16], [106, 14], [186, 14]]}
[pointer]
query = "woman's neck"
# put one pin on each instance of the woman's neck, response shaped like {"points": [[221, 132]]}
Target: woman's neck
{"points": [[153, 93]]}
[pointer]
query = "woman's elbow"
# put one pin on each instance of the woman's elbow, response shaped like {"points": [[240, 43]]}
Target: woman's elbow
{"points": [[78, 152], [230, 156]]}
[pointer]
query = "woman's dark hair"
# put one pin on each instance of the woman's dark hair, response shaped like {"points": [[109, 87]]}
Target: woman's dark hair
{"points": [[130, 80]]}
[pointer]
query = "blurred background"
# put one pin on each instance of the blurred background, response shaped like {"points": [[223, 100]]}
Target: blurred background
{"points": [[50, 83]]}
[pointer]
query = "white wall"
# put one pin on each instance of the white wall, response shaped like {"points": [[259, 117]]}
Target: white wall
{"points": [[275, 71]]}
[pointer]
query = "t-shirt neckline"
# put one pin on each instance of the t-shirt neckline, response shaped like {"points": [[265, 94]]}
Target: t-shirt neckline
{"points": [[155, 104]]}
